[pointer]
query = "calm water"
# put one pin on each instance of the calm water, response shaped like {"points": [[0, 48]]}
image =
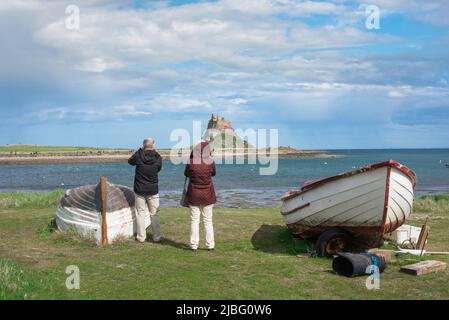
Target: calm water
{"points": [[237, 185]]}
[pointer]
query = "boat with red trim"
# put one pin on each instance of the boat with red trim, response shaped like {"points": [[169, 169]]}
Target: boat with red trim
{"points": [[355, 207]]}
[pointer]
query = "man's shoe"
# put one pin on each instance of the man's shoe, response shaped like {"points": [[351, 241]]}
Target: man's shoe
{"points": [[211, 249]]}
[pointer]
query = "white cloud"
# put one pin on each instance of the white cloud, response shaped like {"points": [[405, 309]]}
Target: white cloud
{"points": [[97, 65], [310, 7], [88, 113], [395, 94], [178, 103], [19, 5], [433, 11], [239, 58], [238, 101], [221, 33]]}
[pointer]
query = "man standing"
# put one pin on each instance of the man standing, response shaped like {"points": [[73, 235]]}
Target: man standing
{"points": [[148, 164]]}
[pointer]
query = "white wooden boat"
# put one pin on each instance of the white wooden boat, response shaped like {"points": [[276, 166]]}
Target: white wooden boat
{"points": [[82, 210], [358, 206]]}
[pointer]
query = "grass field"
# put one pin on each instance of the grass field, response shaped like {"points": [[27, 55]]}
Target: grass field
{"points": [[33, 148], [55, 149], [30, 199], [36, 148], [256, 258]]}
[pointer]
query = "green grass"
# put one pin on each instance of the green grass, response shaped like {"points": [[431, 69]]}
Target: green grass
{"points": [[436, 197], [14, 284], [33, 148], [256, 258], [433, 204], [30, 199]]}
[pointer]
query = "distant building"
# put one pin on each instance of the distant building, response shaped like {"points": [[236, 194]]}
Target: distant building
{"points": [[221, 134], [219, 123]]}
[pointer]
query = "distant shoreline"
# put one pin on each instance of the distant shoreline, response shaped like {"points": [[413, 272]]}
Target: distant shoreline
{"points": [[123, 156]]}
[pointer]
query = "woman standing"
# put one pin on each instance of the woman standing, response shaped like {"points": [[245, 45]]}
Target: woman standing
{"points": [[200, 194]]}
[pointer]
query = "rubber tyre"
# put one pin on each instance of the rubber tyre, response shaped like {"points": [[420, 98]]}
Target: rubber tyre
{"points": [[332, 241]]}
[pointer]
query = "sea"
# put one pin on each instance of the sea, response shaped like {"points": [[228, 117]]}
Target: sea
{"points": [[237, 185]]}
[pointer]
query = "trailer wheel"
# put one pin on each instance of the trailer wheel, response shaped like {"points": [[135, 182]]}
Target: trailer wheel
{"points": [[332, 241]]}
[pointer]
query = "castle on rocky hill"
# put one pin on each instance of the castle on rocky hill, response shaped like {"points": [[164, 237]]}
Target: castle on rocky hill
{"points": [[222, 135], [219, 123]]}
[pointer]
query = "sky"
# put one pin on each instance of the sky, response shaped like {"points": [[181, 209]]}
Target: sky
{"points": [[315, 70]]}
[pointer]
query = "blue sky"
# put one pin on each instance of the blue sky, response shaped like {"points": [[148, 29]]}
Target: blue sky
{"points": [[310, 69]]}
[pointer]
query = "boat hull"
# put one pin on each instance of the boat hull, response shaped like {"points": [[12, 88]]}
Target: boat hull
{"points": [[366, 203], [80, 211]]}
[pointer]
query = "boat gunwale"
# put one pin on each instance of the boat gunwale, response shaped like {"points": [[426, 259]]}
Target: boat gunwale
{"points": [[321, 182]]}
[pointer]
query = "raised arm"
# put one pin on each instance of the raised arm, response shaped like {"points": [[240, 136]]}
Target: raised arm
{"points": [[132, 160]]}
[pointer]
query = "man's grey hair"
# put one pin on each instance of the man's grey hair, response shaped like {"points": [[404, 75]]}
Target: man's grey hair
{"points": [[148, 144]]}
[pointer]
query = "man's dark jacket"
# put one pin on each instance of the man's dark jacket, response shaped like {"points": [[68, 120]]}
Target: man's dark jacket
{"points": [[148, 163]]}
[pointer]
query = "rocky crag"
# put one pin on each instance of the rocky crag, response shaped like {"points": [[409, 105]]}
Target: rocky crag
{"points": [[222, 136]]}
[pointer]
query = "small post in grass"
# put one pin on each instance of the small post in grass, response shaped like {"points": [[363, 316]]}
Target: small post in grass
{"points": [[104, 226]]}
